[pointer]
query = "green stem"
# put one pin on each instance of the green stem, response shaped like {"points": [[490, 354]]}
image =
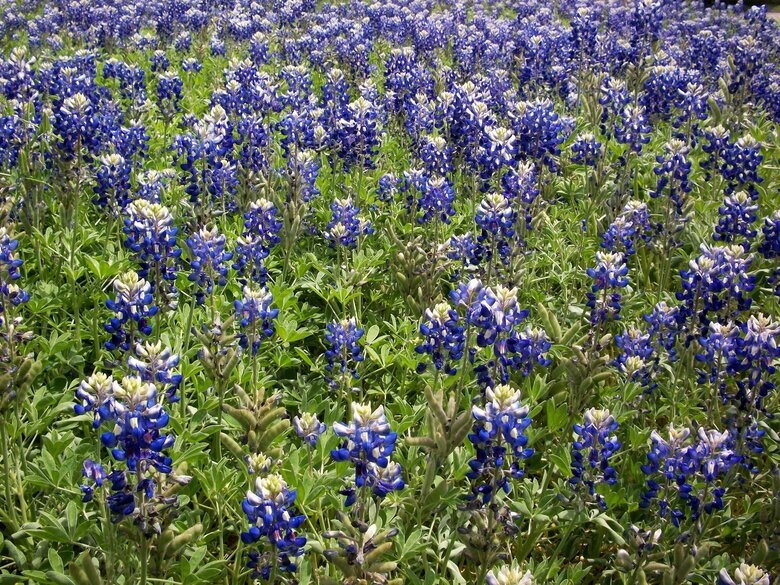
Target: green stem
{"points": [[7, 475], [144, 559], [184, 348]]}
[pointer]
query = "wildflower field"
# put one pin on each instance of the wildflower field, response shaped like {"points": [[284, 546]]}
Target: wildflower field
{"points": [[381, 292]]}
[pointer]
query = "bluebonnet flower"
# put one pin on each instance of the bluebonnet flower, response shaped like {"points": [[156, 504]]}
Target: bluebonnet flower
{"points": [[636, 358], [666, 457], [153, 362], [217, 47], [521, 186], [131, 79], [303, 169], [737, 216], [112, 190], [501, 148], [202, 155], [95, 395], [388, 186], [261, 233], [151, 235], [95, 473], [254, 139], [586, 149], [151, 184], [346, 226], [716, 285], [770, 246], [591, 453], [465, 249], [684, 477], [259, 49], [298, 79], [191, 65], [136, 439], [498, 437], [633, 129], [540, 131], [496, 219], [368, 444], [496, 316], [718, 140], [692, 101], [207, 248], [308, 427], [160, 62], [183, 42], [11, 140], [358, 134], [169, 94], [133, 307], [744, 575], [673, 173], [77, 126], [629, 228], [444, 334], [436, 154], [138, 419], [437, 198], [270, 510], [741, 161], [258, 463], [609, 276], [255, 313], [614, 98], [509, 575], [10, 294], [758, 354], [344, 352]]}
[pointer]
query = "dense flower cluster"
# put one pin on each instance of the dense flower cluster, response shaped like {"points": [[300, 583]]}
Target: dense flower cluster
{"points": [[498, 437], [133, 307], [270, 510], [344, 352], [684, 477], [346, 226], [495, 316], [591, 453], [368, 444], [256, 317], [609, 277], [445, 339], [151, 235]]}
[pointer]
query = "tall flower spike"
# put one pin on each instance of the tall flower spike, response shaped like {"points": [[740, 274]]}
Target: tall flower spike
{"points": [[255, 317], [151, 235], [269, 508], [445, 339], [591, 453], [133, 307], [207, 247], [498, 434], [344, 352], [368, 444]]}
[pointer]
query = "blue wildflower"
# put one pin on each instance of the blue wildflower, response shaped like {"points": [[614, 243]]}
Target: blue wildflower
{"points": [[270, 510], [256, 317], [591, 453], [498, 437]]}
